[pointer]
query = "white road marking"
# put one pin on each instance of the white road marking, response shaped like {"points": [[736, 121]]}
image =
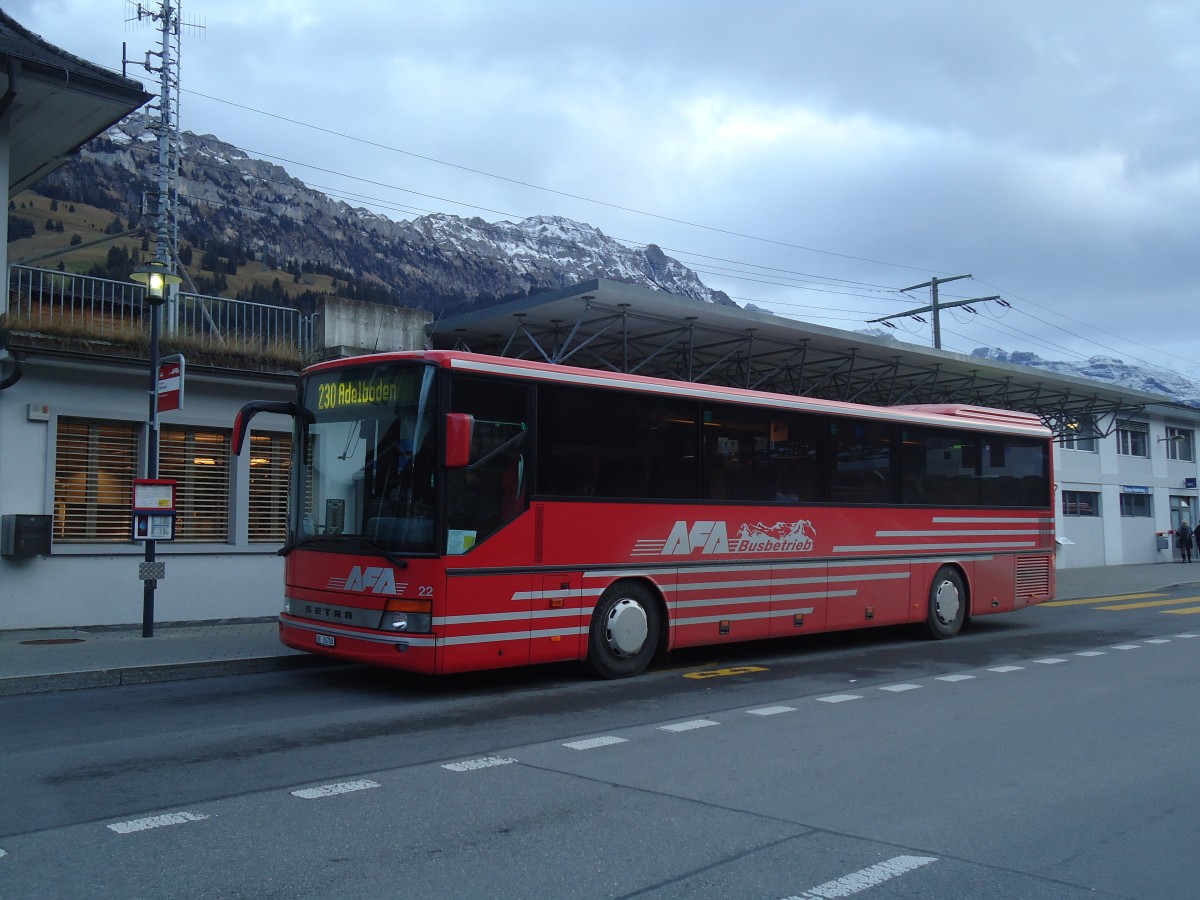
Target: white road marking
{"points": [[688, 726], [593, 743], [330, 790], [155, 822], [1187, 635], [610, 740], [470, 765], [857, 882]]}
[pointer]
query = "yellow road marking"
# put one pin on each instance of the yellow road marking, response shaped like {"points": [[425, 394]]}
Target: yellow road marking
{"points": [[1184, 612], [1149, 603], [1087, 600], [732, 670]]}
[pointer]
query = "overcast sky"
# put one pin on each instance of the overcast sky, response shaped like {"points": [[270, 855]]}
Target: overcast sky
{"points": [[811, 157]]}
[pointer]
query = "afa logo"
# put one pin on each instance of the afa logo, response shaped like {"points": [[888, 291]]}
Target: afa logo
{"points": [[376, 579], [707, 538]]}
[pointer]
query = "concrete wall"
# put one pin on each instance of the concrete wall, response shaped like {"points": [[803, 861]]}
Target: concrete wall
{"points": [[351, 327]]}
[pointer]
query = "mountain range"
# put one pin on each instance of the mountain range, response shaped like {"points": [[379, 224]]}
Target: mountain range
{"points": [[234, 208]]}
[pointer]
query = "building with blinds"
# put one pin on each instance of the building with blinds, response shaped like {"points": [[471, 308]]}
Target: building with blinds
{"points": [[73, 421], [74, 432]]}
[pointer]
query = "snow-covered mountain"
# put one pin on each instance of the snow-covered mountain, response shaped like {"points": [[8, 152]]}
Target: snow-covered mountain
{"points": [[437, 261], [1108, 369]]}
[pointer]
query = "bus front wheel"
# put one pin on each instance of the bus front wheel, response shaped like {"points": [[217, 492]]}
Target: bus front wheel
{"points": [[947, 604], [624, 633]]}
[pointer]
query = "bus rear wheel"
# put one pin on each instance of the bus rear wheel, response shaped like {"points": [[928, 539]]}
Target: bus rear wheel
{"points": [[624, 633], [947, 604]]}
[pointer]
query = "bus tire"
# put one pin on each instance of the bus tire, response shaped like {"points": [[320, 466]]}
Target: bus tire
{"points": [[947, 604], [624, 633]]}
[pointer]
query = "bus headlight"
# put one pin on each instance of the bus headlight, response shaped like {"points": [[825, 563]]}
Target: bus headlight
{"points": [[406, 621], [408, 616]]}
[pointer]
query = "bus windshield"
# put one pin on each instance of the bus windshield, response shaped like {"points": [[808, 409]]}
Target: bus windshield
{"points": [[368, 457]]}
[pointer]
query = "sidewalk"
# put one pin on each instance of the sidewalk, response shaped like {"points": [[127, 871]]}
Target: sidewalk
{"points": [[61, 659]]}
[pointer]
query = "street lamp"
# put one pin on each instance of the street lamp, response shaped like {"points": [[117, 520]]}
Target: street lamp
{"points": [[156, 277]]}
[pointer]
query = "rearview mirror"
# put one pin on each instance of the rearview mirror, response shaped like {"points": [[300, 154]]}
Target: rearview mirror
{"points": [[459, 429]]}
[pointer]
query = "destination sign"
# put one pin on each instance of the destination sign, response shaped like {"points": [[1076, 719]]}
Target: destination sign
{"points": [[341, 394]]}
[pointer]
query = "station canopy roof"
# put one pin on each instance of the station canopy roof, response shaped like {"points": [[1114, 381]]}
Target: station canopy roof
{"points": [[612, 326]]}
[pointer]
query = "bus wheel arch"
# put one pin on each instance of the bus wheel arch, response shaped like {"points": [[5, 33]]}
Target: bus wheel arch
{"points": [[949, 603], [628, 629]]}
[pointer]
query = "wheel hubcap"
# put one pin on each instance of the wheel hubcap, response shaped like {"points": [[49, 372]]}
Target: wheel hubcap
{"points": [[626, 628], [946, 602]]}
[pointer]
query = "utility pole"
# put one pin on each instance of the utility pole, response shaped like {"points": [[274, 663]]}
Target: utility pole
{"points": [[935, 307]]}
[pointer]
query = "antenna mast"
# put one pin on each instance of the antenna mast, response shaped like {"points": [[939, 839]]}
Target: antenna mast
{"points": [[164, 62]]}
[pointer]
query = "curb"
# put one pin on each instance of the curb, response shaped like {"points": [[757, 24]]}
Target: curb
{"points": [[74, 681]]}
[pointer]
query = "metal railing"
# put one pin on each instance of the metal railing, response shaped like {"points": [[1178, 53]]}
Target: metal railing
{"points": [[82, 305]]}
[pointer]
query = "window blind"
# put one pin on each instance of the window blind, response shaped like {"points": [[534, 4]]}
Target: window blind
{"points": [[198, 460], [95, 462], [270, 466]]}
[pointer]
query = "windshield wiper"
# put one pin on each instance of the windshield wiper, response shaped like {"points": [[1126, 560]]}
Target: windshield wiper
{"points": [[356, 539]]}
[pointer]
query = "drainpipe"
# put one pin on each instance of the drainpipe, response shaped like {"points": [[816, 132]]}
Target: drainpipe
{"points": [[18, 362], [12, 68]]}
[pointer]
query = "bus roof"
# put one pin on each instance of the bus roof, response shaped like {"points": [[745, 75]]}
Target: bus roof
{"points": [[940, 414]]}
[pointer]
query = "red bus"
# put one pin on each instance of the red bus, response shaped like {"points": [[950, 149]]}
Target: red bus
{"points": [[453, 512]]}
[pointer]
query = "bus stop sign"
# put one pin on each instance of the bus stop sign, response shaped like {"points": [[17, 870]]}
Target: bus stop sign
{"points": [[170, 383]]}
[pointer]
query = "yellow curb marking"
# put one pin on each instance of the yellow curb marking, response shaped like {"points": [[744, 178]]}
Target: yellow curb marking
{"points": [[1150, 603], [1087, 600]]}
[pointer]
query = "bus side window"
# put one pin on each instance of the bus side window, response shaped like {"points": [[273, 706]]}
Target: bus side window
{"points": [[491, 489], [861, 461]]}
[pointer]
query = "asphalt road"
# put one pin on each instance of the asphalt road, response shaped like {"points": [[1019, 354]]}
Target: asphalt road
{"points": [[1045, 754]]}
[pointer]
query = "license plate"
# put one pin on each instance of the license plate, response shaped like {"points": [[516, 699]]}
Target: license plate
{"points": [[325, 640]]}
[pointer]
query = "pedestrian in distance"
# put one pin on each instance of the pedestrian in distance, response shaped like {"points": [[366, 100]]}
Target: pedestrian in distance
{"points": [[1183, 537], [1196, 535]]}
